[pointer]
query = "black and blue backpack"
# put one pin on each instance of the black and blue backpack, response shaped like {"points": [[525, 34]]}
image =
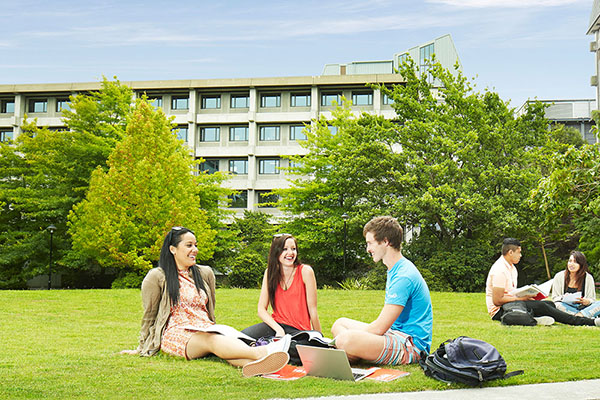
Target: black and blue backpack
{"points": [[466, 360]]}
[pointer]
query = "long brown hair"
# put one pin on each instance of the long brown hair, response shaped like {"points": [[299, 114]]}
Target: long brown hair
{"points": [[580, 274], [273, 267]]}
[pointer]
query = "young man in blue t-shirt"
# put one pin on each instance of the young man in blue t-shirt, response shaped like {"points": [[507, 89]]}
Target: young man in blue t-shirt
{"points": [[403, 329]]}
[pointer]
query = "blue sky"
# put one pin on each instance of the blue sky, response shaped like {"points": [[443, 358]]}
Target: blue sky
{"points": [[519, 48]]}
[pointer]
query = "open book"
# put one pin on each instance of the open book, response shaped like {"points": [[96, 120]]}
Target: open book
{"points": [[224, 330], [571, 297], [539, 291], [290, 373]]}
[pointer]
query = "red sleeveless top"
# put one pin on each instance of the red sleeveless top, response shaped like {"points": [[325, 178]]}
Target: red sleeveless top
{"points": [[290, 305]]}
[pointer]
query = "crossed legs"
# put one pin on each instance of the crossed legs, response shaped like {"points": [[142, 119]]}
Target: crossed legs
{"points": [[351, 336]]}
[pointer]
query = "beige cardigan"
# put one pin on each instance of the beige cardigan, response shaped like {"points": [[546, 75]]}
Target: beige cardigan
{"points": [[157, 306], [558, 287]]}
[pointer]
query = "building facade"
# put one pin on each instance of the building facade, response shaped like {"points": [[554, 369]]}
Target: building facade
{"points": [[576, 114], [244, 126]]}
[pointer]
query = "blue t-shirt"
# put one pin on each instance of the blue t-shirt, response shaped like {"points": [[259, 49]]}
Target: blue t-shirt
{"points": [[406, 287]]}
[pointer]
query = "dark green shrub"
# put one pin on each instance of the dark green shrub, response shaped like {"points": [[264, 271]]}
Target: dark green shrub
{"points": [[131, 280], [247, 270]]}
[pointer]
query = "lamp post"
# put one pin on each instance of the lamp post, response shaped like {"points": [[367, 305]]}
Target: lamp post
{"points": [[345, 218], [51, 229]]}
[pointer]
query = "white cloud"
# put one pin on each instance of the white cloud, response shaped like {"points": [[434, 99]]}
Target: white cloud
{"points": [[507, 3]]}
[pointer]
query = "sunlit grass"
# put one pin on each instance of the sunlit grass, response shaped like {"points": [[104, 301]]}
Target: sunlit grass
{"points": [[63, 344]]}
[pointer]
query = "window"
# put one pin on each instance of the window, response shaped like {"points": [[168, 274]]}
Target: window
{"points": [[181, 132], [210, 134], [240, 101], [270, 100], [210, 166], [300, 100], [402, 58], [264, 197], [239, 200], [155, 102], [179, 103], [333, 129], [238, 167], [387, 100], [268, 166], [297, 132], [7, 106], [425, 53], [212, 101], [38, 105], [269, 133], [327, 99], [62, 104], [294, 165], [6, 135], [238, 133], [362, 98]]}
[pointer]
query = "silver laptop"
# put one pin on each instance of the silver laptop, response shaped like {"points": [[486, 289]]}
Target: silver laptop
{"points": [[329, 363]]}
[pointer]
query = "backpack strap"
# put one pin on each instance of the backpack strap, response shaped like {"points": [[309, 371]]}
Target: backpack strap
{"points": [[513, 373]]}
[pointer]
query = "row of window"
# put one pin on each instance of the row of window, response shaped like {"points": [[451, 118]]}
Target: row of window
{"points": [[263, 198], [240, 133], [7, 106], [267, 100], [266, 166]]}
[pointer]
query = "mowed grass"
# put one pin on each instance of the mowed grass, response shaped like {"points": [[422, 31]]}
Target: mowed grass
{"points": [[64, 344]]}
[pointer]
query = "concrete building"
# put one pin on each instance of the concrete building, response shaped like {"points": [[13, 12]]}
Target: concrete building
{"points": [[594, 29], [244, 126], [575, 114]]}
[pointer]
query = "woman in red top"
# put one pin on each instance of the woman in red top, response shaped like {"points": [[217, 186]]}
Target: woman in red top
{"points": [[290, 288]]}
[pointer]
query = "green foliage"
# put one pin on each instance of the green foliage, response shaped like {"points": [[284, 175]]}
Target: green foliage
{"points": [[568, 199], [147, 189], [254, 232], [131, 280], [44, 173], [251, 233], [247, 270], [456, 167]]}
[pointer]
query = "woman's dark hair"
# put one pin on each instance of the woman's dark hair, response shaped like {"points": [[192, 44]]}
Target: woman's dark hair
{"points": [[580, 274], [167, 263], [273, 270]]}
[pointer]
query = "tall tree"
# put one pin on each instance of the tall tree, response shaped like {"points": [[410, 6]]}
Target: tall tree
{"points": [[568, 200], [456, 166], [147, 189], [45, 172]]}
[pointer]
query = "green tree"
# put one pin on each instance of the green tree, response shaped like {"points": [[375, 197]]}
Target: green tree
{"points": [[44, 173], [455, 166], [147, 189], [247, 238], [568, 201]]}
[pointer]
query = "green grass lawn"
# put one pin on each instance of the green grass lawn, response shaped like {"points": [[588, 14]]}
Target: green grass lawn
{"points": [[64, 344]]}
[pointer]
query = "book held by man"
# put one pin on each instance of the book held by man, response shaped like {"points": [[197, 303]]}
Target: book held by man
{"points": [[539, 291]]}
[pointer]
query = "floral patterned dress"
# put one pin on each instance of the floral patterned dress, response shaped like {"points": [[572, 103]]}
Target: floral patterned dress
{"points": [[190, 311]]}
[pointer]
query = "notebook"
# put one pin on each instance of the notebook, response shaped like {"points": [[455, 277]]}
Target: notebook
{"points": [[330, 363]]}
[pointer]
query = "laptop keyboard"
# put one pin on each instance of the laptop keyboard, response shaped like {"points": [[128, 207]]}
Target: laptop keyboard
{"points": [[357, 375]]}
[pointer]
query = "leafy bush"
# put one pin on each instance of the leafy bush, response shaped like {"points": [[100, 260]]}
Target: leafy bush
{"points": [[354, 283], [247, 270], [462, 268], [131, 280]]}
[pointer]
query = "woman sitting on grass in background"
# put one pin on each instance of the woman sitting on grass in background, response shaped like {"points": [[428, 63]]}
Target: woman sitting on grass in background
{"points": [[576, 279], [179, 296], [290, 288]]}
